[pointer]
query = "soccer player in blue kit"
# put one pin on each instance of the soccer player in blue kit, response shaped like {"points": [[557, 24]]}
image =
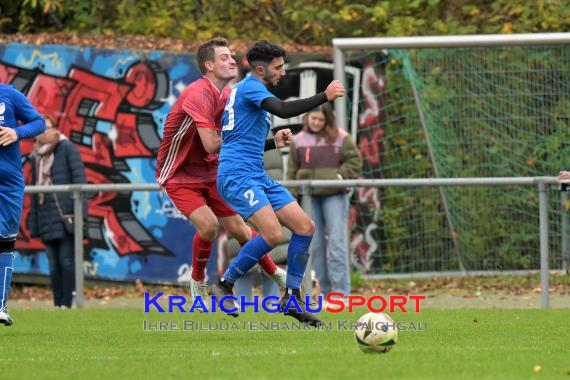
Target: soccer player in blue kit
{"points": [[247, 188], [14, 106]]}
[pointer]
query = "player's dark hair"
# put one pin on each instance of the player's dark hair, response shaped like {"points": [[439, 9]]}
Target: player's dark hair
{"points": [[206, 51], [264, 52]]}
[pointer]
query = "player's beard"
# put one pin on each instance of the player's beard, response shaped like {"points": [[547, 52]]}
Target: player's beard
{"points": [[273, 81]]}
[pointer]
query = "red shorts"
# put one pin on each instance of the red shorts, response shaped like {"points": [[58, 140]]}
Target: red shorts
{"points": [[188, 197]]}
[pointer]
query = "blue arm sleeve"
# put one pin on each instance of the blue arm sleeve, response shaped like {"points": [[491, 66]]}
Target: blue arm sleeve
{"points": [[34, 123]]}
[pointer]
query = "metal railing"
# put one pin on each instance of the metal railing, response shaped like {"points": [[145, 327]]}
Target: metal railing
{"points": [[542, 184]]}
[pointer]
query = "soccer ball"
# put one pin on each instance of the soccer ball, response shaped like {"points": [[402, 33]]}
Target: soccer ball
{"points": [[376, 332]]}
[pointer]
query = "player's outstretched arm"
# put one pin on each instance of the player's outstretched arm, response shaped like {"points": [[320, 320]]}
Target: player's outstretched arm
{"points": [[292, 108]]}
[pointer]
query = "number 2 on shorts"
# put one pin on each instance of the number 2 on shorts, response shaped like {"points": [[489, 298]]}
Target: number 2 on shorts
{"points": [[249, 195]]}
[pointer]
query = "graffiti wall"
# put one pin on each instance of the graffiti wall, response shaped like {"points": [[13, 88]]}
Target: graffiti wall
{"points": [[112, 104], [364, 214]]}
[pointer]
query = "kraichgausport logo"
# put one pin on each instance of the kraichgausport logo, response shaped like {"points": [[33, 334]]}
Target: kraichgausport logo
{"points": [[271, 304]]}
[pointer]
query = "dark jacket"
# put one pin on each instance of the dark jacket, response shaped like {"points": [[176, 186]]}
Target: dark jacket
{"points": [[45, 221], [312, 158]]}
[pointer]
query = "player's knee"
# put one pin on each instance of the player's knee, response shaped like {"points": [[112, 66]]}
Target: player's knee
{"points": [[274, 237], [208, 230], [306, 228], [241, 233]]}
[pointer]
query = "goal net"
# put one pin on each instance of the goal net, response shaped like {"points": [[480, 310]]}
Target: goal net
{"points": [[485, 112]]}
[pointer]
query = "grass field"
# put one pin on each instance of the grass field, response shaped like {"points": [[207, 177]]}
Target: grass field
{"points": [[111, 344]]}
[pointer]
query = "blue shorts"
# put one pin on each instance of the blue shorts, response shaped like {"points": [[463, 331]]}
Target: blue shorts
{"points": [[248, 193], [11, 203]]}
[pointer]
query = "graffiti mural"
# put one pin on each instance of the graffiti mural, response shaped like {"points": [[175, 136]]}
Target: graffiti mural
{"points": [[366, 206], [112, 105]]}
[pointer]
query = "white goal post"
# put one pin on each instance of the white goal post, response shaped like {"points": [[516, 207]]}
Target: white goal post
{"points": [[342, 45]]}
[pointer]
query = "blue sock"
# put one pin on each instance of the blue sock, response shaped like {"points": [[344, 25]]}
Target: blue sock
{"points": [[6, 267], [297, 256], [248, 256]]}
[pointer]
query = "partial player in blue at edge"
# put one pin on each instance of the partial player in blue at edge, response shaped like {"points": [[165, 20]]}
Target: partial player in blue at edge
{"points": [[14, 107]]}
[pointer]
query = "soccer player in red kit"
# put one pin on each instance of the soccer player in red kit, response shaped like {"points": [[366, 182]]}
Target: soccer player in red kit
{"points": [[187, 163]]}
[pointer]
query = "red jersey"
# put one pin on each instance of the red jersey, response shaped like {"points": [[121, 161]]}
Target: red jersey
{"points": [[182, 157]]}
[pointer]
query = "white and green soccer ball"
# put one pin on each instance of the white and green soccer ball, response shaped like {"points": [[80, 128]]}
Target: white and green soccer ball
{"points": [[376, 332]]}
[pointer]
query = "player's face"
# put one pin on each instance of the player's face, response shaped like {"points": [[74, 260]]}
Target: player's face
{"points": [[316, 121], [225, 67], [274, 71]]}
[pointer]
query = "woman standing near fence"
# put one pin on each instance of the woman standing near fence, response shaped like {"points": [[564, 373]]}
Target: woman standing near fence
{"points": [[56, 161], [323, 151]]}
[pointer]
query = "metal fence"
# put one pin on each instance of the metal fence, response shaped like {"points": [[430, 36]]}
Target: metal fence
{"points": [[541, 183]]}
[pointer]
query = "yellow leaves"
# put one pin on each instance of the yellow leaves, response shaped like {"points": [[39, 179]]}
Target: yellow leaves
{"points": [[566, 205], [32, 3], [440, 26], [5, 20], [189, 26], [46, 5], [289, 21], [379, 13], [346, 14], [471, 10], [474, 11], [400, 140], [204, 35], [517, 10], [507, 28]]}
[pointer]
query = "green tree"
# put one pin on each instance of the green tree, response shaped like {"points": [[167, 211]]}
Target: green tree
{"points": [[293, 21]]}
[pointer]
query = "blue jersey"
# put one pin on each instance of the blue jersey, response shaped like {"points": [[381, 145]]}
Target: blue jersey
{"points": [[14, 107], [245, 126]]}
